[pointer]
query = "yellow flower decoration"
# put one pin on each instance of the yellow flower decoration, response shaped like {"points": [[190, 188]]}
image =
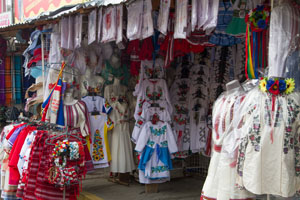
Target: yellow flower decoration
{"points": [[290, 85], [263, 85], [96, 158], [97, 131], [95, 145]]}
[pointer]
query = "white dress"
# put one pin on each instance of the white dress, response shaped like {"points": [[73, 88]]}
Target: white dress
{"points": [[155, 144], [269, 154], [99, 125], [121, 147]]}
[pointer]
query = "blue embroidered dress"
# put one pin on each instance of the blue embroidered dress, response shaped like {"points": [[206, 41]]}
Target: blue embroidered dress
{"points": [[155, 144]]}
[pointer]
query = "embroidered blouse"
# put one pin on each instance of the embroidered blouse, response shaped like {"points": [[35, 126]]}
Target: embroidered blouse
{"points": [[76, 116]]}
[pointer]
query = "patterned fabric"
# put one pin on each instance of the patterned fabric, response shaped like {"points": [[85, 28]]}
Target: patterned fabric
{"points": [[18, 79], [8, 81], [36, 184]]}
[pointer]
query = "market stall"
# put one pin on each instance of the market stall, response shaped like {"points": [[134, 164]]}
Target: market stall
{"points": [[143, 88]]}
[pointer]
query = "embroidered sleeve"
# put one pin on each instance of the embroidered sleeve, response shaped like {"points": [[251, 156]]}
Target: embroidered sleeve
{"points": [[84, 121], [172, 145], [143, 138], [137, 129], [167, 96]]}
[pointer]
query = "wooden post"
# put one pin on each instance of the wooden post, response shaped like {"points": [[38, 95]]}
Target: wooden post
{"points": [[151, 188]]}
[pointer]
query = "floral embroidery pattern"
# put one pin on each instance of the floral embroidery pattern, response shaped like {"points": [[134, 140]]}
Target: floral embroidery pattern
{"points": [[158, 132], [241, 157], [159, 169], [289, 138], [107, 105], [139, 122], [181, 109], [268, 104], [155, 95], [98, 154], [183, 90], [164, 144], [254, 133], [180, 120], [150, 143]]}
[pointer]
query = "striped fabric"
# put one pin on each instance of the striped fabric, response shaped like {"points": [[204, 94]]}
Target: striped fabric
{"points": [[18, 79], [8, 81]]}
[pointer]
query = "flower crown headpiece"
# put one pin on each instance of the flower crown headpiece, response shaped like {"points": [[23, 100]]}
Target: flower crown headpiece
{"points": [[259, 18], [277, 86]]}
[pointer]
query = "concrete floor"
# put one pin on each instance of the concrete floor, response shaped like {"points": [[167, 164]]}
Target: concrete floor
{"points": [[187, 188]]}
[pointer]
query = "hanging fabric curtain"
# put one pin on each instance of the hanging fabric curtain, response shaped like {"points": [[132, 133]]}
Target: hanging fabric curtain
{"points": [[256, 38]]}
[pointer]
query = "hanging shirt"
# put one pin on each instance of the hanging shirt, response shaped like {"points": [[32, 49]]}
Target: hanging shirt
{"points": [[99, 124], [269, 158], [76, 116]]}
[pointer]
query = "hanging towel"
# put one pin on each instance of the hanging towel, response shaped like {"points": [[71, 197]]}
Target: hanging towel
{"points": [[18, 79]]}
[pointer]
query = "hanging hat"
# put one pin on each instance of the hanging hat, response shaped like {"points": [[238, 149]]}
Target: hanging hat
{"points": [[35, 41]]}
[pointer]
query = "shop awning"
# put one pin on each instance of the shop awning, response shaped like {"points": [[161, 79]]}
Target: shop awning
{"points": [[48, 17]]}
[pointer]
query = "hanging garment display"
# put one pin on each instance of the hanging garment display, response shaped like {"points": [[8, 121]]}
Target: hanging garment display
{"points": [[197, 109], [156, 144], [109, 24], [271, 134], [225, 113], [78, 31], [71, 31], [146, 114], [64, 33], [134, 20], [100, 21], [283, 37], [237, 26], [212, 14], [163, 16], [179, 93], [202, 13], [121, 149], [219, 36], [147, 27], [119, 22], [149, 70], [100, 124], [181, 19], [153, 91], [92, 35]]}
